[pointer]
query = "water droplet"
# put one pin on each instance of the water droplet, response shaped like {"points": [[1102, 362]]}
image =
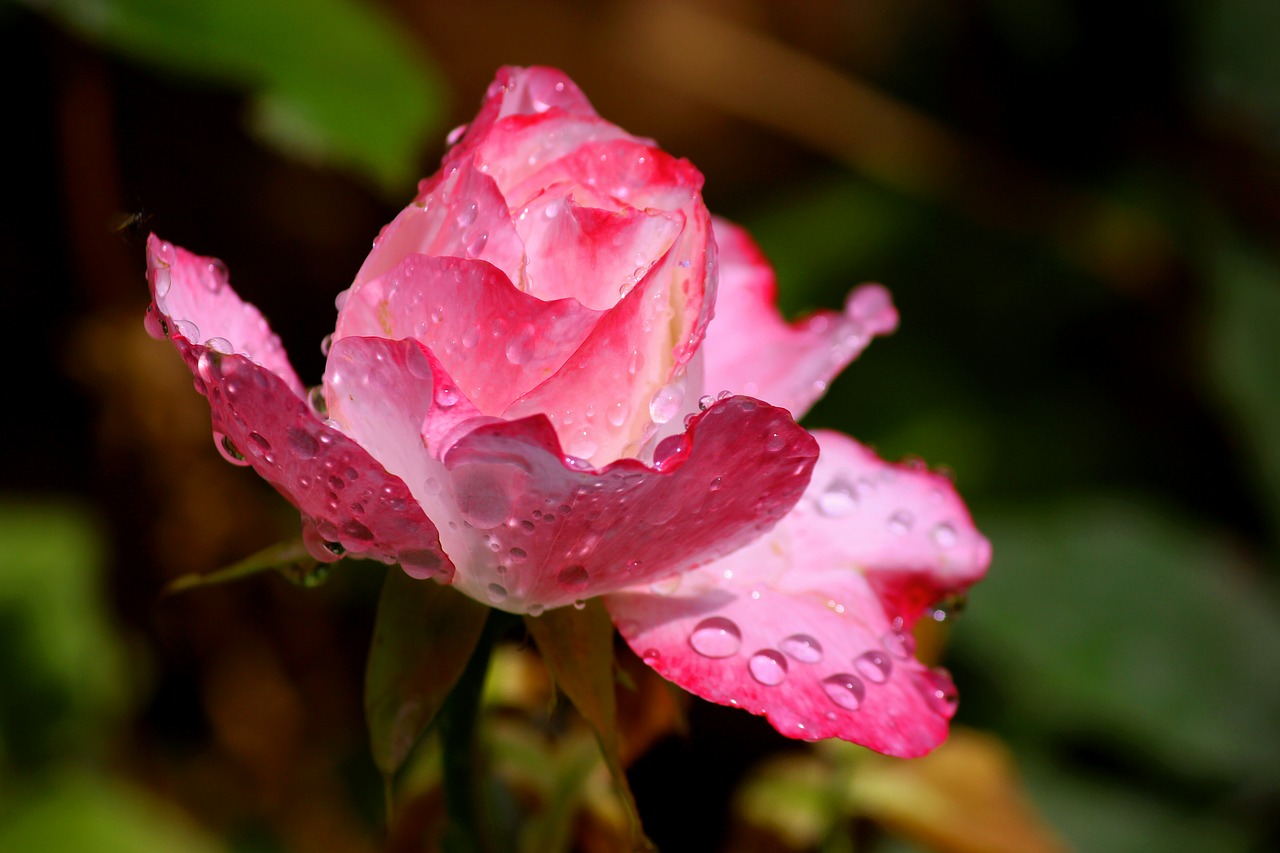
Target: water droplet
{"points": [[496, 592], [468, 215], [705, 401], [874, 666], [651, 656], [446, 396], [536, 609], [431, 486], [229, 451], [775, 442], [302, 443], [580, 604], [326, 344], [455, 135], [518, 555], [259, 443], [470, 337], [155, 324], [845, 690], [573, 578], [666, 403], [838, 499], [900, 644], [900, 522], [768, 667], [716, 637], [357, 531], [618, 412], [716, 484], [939, 691], [633, 566], [520, 347], [476, 246], [802, 647], [316, 402], [943, 535]]}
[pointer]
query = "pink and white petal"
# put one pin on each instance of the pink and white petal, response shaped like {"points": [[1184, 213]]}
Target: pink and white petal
{"points": [[193, 300], [495, 341], [591, 254], [519, 91], [459, 213], [554, 530], [346, 497], [796, 625], [751, 349]]}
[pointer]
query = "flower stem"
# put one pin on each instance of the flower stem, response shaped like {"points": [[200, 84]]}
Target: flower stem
{"points": [[466, 804]]}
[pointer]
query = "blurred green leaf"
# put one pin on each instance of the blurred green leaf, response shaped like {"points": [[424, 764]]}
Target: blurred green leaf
{"points": [[61, 661], [105, 816], [331, 80], [577, 646], [423, 638], [1244, 356], [1115, 618], [1239, 63]]}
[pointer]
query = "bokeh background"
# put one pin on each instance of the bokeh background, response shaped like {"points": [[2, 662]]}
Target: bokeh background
{"points": [[1076, 205]]}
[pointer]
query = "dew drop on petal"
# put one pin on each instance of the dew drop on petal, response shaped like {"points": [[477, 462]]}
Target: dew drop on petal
{"points": [[900, 522], [939, 691], [944, 536], [573, 578], [446, 396], [518, 555], [845, 690], [666, 586], [775, 442], [874, 666], [617, 413], [326, 344], [802, 647], [900, 644], [468, 215], [228, 449], [536, 609], [838, 499], [716, 637], [496, 593], [580, 604], [768, 667], [520, 347], [316, 402], [666, 403]]}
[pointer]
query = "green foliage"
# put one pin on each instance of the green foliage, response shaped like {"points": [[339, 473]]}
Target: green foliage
{"points": [[331, 80], [61, 663]]}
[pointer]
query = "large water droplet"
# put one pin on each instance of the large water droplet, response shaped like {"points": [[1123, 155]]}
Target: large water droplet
{"points": [[667, 585], [716, 637], [468, 215], [768, 667], [573, 578], [496, 592], [617, 412], [518, 555], [838, 499], [666, 403], [802, 647], [520, 347], [476, 246], [446, 396], [845, 690], [775, 442], [302, 443], [874, 666], [316, 402]]}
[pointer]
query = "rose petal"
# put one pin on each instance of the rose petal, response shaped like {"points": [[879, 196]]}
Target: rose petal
{"points": [[553, 530], [346, 498], [495, 341], [590, 254], [192, 294], [459, 213], [752, 350], [795, 626]]}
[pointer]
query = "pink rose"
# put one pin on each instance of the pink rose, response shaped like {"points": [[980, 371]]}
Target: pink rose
{"points": [[525, 397]]}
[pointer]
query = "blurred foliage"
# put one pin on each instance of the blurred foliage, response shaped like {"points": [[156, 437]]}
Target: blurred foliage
{"points": [[332, 80]]}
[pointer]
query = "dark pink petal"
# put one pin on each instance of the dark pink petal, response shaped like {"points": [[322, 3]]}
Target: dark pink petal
{"points": [[459, 213], [751, 349], [796, 625], [495, 341], [549, 530], [192, 295], [347, 500]]}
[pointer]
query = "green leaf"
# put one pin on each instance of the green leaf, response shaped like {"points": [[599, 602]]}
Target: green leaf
{"points": [[1244, 356], [331, 80], [423, 638], [1114, 617], [290, 558], [577, 646]]}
